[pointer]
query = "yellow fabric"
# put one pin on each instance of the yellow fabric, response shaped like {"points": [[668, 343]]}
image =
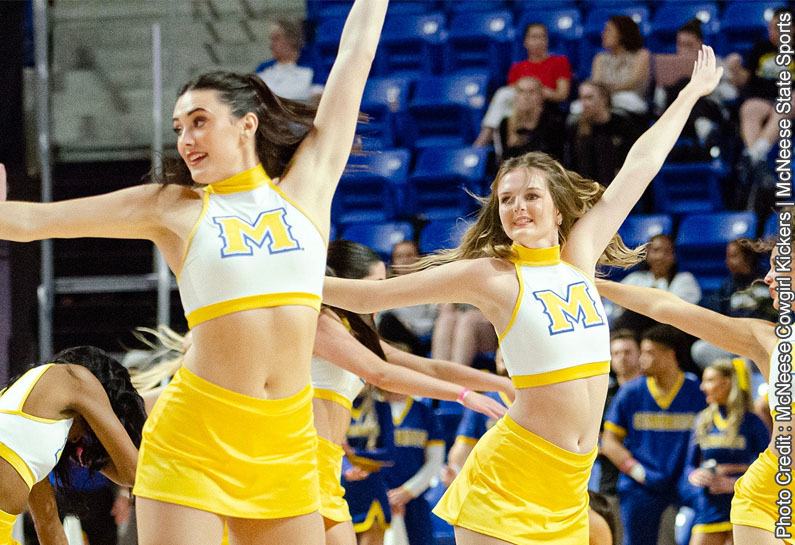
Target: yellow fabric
{"points": [[330, 395], [536, 257], [6, 525], [618, 430], [19, 464], [519, 487], [664, 401], [329, 465], [712, 528], [220, 451], [755, 495], [561, 375], [242, 181], [254, 301], [375, 514]]}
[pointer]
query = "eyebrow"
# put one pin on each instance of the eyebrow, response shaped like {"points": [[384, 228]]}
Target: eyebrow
{"points": [[193, 111]]}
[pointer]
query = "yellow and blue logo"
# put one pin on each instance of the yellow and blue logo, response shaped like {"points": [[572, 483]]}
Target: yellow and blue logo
{"points": [[270, 228], [565, 312]]}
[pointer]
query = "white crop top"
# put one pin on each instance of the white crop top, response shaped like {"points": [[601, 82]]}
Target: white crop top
{"points": [[558, 330], [334, 383], [780, 386], [252, 247], [32, 445]]}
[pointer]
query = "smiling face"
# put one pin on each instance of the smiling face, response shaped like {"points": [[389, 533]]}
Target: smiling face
{"points": [[527, 213], [213, 143], [716, 386]]}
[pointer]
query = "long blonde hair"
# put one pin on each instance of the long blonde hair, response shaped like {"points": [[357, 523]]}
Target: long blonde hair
{"points": [[167, 353], [737, 404], [572, 195]]}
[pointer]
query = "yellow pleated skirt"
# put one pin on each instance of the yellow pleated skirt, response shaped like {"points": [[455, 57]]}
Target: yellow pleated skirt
{"points": [[220, 451], [519, 487], [756, 493], [6, 526], [332, 495]]}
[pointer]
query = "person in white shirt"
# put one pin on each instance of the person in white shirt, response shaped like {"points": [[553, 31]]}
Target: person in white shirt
{"points": [[282, 74]]}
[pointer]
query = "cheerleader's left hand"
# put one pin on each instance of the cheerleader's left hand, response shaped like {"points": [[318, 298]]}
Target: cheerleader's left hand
{"points": [[398, 497]]}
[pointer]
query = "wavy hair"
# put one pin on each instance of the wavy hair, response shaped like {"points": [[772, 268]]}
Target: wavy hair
{"points": [[737, 404]]}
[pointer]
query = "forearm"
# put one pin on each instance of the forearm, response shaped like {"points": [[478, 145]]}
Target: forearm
{"points": [[434, 458], [401, 380], [615, 451]]}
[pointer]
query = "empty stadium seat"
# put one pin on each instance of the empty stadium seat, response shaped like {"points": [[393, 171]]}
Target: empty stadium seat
{"points": [[385, 100], [771, 227], [447, 110], [637, 230], [686, 188], [672, 15], [480, 41], [411, 45], [701, 244], [381, 237], [436, 186], [442, 235], [327, 42], [744, 22], [470, 6], [371, 187]]}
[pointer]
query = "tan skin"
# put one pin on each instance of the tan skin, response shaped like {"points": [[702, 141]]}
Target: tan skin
{"points": [[749, 338], [611, 41], [530, 218], [58, 395], [254, 344]]}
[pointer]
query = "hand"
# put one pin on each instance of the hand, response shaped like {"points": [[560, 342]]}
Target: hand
{"points": [[356, 474], [447, 475], [722, 484], [731, 469], [706, 72], [484, 405], [121, 509], [701, 477], [2, 182], [398, 498]]}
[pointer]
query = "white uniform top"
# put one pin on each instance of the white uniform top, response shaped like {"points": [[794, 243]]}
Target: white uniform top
{"points": [[558, 331], [32, 445], [334, 383], [781, 384], [252, 247]]}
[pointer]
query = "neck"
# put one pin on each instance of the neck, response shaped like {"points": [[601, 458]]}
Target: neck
{"points": [[625, 378], [288, 59], [667, 378], [537, 56]]}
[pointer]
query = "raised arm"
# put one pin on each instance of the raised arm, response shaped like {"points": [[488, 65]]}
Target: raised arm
{"points": [[322, 156], [747, 337], [450, 371], [592, 233], [335, 344]]}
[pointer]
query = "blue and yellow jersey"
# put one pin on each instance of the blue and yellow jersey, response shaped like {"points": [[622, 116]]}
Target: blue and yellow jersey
{"points": [[474, 424], [415, 429], [359, 432], [656, 428], [558, 331], [259, 248]]}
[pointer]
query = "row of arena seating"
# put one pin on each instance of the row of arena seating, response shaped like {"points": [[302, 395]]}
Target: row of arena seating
{"points": [[700, 239], [487, 35]]}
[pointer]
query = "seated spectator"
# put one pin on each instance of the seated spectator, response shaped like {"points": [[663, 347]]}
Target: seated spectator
{"points": [[282, 74], [600, 137], [532, 126], [553, 71], [625, 69], [409, 326], [660, 271], [757, 76], [737, 297], [726, 439]]}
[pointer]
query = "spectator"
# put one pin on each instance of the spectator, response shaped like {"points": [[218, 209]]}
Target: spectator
{"points": [[412, 326], [757, 76], [647, 429], [553, 71], [282, 74], [419, 454], [625, 68], [599, 138], [659, 271], [532, 126], [737, 297]]}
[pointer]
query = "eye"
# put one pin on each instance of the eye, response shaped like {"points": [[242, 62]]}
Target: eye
{"points": [[177, 130], [198, 121]]}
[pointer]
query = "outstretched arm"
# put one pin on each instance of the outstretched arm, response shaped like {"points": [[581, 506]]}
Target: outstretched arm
{"points": [[747, 337], [450, 371], [335, 344], [592, 233], [322, 156]]}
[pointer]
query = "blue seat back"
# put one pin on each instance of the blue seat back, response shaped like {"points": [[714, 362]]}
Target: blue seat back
{"points": [[637, 230], [744, 22], [381, 237], [480, 41], [411, 45], [672, 15], [442, 235], [385, 100], [688, 188], [327, 41]]}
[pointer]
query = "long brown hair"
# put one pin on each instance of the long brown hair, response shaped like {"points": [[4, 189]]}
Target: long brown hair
{"points": [[572, 195]]}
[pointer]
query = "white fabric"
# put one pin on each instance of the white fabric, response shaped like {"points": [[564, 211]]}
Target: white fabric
{"points": [[500, 107], [327, 376], [434, 459], [288, 80]]}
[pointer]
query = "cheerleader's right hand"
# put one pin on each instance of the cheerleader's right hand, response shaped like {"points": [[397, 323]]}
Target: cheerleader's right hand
{"points": [[484, 405], [356, 473], [700, 477]]}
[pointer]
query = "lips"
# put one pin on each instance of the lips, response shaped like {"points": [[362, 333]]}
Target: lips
{"points": [[195, 157], [520, 222]]}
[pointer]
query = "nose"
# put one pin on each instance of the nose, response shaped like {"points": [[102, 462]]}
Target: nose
{"points": [[769, 277]]}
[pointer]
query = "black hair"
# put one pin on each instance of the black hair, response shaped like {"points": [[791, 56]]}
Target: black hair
{"points": [[624, 333], [665, 335], [693, 26], [674, 270], [347, 259], [283, 123], [629, 35]]}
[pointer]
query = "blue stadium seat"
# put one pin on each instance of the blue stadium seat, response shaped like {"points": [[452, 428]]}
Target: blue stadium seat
{"points": [[701, 244], [595, 23], [672, 15], [381, 237], [410, 7], [480, 42], [744, 22], [327, 42], [687, 188], [447, 110], [470, 6], [371, 187], [385, 100], [411, 45], [637, 230], [320, 10], [442, 235], [436, 186], [332, 232], [443, 533], [771, 227], [564, 28]]}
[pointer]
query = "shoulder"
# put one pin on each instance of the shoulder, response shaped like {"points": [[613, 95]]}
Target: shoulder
{"points": [[642, 54]]}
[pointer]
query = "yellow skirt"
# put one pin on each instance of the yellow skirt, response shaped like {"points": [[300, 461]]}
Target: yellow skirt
{"points": [[756, 493], [6, 526], [234, 455], [329, 464], [519, 487]]}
